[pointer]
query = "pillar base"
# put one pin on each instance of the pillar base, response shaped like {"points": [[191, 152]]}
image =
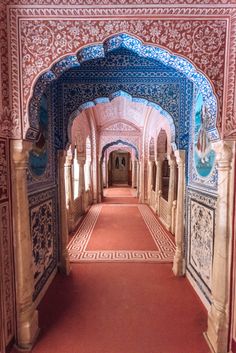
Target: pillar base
{"points": [[64, 267], [217, 331], [178, 267], [28, 332]]}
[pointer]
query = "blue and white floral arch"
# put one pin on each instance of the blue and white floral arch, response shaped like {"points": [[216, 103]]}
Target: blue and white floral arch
{"points": [[123, 40]]}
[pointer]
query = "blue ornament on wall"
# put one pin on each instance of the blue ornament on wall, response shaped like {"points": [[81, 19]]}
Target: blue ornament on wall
{"points": [[204, 156], [38, 156]]}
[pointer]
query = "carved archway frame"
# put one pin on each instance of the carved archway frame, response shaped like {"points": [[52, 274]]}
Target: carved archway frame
{"points": [[20, 19], [131, 18]]}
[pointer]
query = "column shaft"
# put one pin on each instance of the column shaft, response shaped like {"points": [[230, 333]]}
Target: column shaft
{"points": [[179, 263], [150, 166], [158, 184], [81, 162], [64, 263], [218, 318], [69, 190], [171, 191], [27, 316]]}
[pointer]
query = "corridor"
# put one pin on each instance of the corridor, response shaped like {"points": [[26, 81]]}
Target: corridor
{"points": [[128, 303]]}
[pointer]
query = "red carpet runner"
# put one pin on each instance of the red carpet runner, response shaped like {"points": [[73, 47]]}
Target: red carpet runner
{"points": [[121, 233], [118, 307]]}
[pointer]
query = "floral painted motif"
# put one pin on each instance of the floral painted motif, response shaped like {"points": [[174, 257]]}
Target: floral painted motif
{"points": [[38, 156], [69, 36], [202, 167], [199, 34], [7, 273], [43, 215], [115, 2], [201, 240], [42, 237], [154, 85], [3, 170], [182, 37], [201, 230]]}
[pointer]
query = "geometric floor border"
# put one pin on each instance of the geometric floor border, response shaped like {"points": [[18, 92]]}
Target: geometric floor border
{"points": [[165, 246]]}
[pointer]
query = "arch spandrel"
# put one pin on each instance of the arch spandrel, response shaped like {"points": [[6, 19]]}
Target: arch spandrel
{"points": [[122, 40]]}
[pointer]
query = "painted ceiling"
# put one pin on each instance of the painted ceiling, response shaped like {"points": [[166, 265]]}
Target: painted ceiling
{"points": [[122, 71]]}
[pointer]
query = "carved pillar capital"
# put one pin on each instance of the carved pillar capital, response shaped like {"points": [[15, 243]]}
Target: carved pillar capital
{"points": [[62, 158], [20, 153], [160, 157], [180, 157], [81, 161], [68, 159], [171, 161], [223, 154]]}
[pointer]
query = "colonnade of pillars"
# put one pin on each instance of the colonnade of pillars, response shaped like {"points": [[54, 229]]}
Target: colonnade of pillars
{"points": [[170, 211], [82, 199], [27, 315]]}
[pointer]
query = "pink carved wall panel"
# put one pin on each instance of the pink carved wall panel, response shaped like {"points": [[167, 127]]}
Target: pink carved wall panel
{"points": [[201, 40], [117, 2], [6, 249], [197, 33]]}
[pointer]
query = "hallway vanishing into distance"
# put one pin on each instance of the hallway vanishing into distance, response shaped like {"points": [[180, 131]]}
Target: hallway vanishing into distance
{"points": [[118, 176], [121, 305]]}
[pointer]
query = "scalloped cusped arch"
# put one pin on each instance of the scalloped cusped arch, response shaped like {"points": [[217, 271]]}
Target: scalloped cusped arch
{"points": [[120, 142], [121, 93], [125, 41]]}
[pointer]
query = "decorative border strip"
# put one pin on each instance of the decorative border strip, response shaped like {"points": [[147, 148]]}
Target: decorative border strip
{"points": [[165, 246], [6, 264]]}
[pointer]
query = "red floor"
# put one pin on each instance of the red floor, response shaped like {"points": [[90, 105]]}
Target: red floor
{"points": [[119, 195], [121, 308], [122, 234]]}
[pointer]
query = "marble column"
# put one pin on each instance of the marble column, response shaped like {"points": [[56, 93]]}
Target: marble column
{"points": [[69, 189], [89, 175], [179, 261], [27, 316], [107, 173], [100, 187], [173, 221], [138, 179], [95, 181], [150, 166], [81, 162], [133, 173], [218, 317], [159, 161], [142, 181], [68, 178], [64, 262], [171, 191]]}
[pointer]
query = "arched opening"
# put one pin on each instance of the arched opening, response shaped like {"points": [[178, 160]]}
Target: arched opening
{"points": [[88, 164], [120, 170], [75, 173], [82, 98]]}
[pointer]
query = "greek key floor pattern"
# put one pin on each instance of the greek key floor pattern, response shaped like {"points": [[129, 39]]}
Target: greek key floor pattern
{"points": [[165, 247]]}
